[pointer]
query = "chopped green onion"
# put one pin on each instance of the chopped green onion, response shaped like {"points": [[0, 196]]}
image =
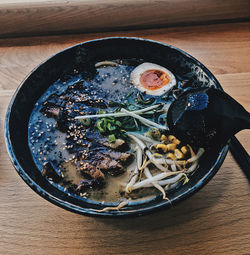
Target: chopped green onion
{"points": [[129, 94], [111, 127], [142, 101], [114, 104], [85, 122], [101, 112], [101, 125], [123, 135], [112, 138], [118, 123], [136, 124]]}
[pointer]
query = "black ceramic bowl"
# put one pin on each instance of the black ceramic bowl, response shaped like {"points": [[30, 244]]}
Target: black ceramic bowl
{"points": [[76, 57]]}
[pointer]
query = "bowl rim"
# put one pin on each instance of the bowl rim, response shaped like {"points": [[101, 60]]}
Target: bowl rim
{"points": [[88, 211]]}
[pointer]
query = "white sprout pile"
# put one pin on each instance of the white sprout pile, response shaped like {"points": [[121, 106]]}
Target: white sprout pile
{"points": [[169, 171]]}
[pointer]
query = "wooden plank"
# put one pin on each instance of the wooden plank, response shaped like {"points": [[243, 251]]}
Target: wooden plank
{"points": [[216, 220], [25, 17]]}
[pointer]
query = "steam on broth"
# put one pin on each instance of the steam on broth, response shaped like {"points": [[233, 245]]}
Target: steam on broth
{"points": [[105, 139]]}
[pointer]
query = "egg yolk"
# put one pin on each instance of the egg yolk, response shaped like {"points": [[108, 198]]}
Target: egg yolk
{"points": [[154, 79]]}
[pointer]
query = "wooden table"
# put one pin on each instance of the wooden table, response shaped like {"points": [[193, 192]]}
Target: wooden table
{"points": [[216, 220]]}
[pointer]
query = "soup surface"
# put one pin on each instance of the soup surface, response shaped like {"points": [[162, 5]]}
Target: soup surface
{"points": [[108, 158]]}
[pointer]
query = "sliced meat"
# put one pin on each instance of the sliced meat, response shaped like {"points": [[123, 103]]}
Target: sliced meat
{"points": [[91, 171], [63, 122], [55, 100], [51, 111], [50, 170], [89, 184], [123, 157], [99, 103], [108, 165], [119, 144]]}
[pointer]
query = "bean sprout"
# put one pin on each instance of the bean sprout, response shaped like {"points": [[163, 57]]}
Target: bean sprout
{"points": [[159, 187], [144, 138], [105, 63], [197, 156], [135, 172], [115, 208], [192, 167], [158, 177], [173, 167], [168, 178]]}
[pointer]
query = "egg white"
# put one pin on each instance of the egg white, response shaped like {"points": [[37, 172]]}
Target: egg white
{"points": [[136, 75]]}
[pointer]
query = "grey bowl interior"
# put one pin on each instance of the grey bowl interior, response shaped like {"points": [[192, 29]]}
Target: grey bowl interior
{"points": [[63, 64]]}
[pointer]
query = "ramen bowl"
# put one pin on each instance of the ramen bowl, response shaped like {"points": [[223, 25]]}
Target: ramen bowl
{"points": [[64, 64]]}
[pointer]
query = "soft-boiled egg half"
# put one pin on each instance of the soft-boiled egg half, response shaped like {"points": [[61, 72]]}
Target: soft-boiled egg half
{"points": [[152, 79]]}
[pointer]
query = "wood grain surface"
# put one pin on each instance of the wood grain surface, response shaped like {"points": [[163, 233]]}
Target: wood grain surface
{"points": [[34, 17], [216, 220]]}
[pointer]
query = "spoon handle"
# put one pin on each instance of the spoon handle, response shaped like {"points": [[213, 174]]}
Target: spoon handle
{"points": [[240, 155], [245, 119]]}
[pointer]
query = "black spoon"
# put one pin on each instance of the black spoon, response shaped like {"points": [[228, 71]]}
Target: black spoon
{"points": [[208, 118]]}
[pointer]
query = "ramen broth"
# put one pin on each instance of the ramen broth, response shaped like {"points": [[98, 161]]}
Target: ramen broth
{"points": [[47, 143]]}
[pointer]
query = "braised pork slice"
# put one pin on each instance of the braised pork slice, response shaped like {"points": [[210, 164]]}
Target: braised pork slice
{"points": [[107, 164], [119, 144], [50, 171], [51, 111], [90, 171], [87, 184], [123, 157]]}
